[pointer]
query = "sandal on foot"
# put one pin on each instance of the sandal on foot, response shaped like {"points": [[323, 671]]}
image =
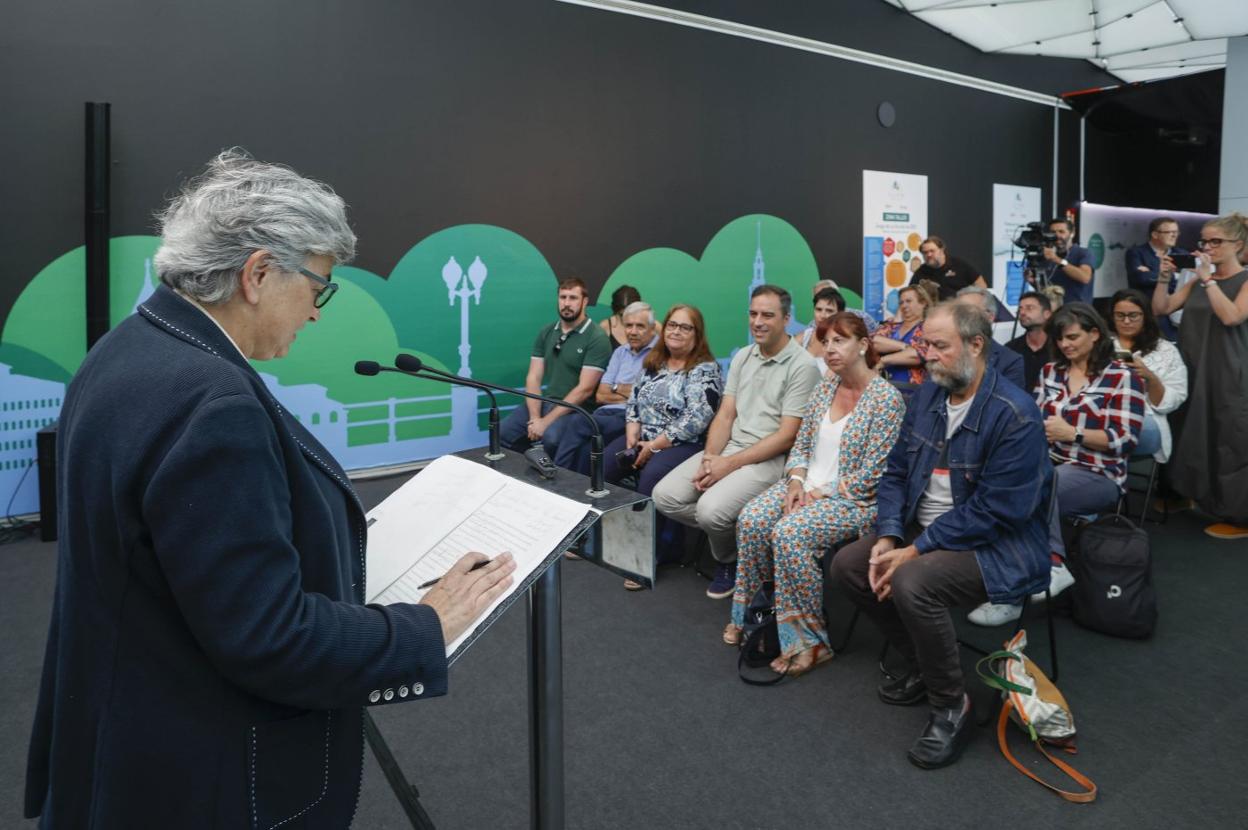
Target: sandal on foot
{"points": [[821, 654], [732, 635], [632, 585]]}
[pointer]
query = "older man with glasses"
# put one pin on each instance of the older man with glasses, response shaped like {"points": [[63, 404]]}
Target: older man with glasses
{"points": [[1151, 261]]}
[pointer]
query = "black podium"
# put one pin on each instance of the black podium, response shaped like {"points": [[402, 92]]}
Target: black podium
{"points": [[620, 527]]}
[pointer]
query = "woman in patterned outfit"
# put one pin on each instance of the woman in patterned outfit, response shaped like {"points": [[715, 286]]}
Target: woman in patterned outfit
{"points": [[836, 462]]}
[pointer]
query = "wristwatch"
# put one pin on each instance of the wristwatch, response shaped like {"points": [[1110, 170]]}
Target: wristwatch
{"points": [[1079, 436], [1064, 263], [615, 387]]}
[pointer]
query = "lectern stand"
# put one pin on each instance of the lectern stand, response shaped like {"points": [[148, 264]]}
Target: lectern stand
{"points": [[621, 525]]}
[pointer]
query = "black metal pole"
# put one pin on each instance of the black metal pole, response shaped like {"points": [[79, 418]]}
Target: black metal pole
{"points": [[407, 794], [96, 181], [496, 445], [597, 486], [546, 808]]}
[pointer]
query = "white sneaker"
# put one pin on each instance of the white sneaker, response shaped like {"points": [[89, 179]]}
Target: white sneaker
{"points": [[1060, 578], [992, 614]]}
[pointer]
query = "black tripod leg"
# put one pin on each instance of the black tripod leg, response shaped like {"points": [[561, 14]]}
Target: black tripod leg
{"points": [[407, 794]]}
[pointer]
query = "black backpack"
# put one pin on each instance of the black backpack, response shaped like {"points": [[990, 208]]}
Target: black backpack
{"points": [[1113, 591]]}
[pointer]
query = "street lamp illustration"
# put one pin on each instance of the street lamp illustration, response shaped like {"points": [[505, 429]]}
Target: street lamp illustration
{"points": [[463, 286]]}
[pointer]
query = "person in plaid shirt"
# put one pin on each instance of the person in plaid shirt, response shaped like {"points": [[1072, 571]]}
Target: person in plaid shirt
{"points": [[1093, 410]]}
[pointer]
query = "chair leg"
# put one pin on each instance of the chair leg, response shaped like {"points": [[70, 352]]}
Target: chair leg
{"points": [[1148, 493], [1048, 612], [849, 633]]}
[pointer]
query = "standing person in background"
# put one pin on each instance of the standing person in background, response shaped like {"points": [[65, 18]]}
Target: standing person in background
{"points": [[1150, 262], [768, 388], [1034, 310], [613, 326], [1068, 265], [1156, 361], [949, 273], [568, 358], [900, 342], [1210, 463]]}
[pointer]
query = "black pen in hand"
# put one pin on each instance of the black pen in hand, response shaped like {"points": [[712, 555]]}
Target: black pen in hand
{"points": [[438, 579]]}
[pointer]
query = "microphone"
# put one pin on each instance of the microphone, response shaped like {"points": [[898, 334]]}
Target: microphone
{"points": [[597, 488], [369, 368]]}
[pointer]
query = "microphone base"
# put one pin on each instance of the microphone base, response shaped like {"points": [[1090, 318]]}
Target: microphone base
{"points": [[597, 494], [495, 456]]}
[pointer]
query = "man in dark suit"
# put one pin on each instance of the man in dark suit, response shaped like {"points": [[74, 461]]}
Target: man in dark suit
{"points": [[210, 653], [1150, 261]]}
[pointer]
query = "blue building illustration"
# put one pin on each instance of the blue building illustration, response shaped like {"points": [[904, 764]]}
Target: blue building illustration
{"points": [[27, 405]]}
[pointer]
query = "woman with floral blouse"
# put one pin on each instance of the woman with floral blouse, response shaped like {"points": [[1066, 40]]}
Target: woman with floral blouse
{"points": [[828, 494], [670, 407]]}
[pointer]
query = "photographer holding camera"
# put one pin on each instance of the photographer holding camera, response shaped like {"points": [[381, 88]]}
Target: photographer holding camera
{"points": [[1067, 264]]}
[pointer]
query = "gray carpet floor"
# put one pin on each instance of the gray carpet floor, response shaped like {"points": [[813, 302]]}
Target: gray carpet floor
{"points": [[661, 733]]}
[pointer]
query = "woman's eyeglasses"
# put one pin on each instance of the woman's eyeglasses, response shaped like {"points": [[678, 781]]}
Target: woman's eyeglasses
{"points": [[1209, 243], [328, 288], [683, 328], [1128, 316]]}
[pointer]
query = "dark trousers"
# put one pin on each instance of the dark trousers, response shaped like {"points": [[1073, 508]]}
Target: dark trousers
{"points": [[513, 432], [915, 618], [578, 433]]}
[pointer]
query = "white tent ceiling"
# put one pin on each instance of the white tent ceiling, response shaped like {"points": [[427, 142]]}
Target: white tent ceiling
{"points": [[1136, 40]]}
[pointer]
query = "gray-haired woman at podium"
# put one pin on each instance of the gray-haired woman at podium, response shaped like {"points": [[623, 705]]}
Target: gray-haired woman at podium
{"points": [[210, 654]]}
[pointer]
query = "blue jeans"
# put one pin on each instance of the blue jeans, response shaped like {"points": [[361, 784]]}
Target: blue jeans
{"points": [[576, 435], [1150, 437], [514, 434], [1079, 492]]}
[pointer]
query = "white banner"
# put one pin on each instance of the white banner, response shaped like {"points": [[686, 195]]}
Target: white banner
{"points": [[1013, 206], [894, 223]]}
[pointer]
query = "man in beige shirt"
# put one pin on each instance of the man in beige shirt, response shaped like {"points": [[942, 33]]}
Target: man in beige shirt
{"points": [[769, 385]]}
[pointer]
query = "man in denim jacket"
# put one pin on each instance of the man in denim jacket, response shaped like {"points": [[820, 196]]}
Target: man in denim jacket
{"points": [[962, 517]]}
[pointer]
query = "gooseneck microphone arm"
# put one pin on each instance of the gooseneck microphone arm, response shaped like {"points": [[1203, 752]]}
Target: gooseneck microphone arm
{"points": [[597, 486], [372, 367]]}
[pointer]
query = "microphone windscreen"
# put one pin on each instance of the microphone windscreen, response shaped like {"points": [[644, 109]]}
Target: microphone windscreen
{"points": [[367, 367], [408, 363]]}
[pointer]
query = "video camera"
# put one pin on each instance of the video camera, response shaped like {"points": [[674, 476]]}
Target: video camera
{"points": [[1033, 238]]}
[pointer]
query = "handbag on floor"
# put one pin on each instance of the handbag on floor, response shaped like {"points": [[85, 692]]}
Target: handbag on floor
{"points": [[1113, 591], [1032, 701], [760, 636]]}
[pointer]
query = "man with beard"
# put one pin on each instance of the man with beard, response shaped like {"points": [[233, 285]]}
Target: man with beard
{"points": [[1034, 311], [568, 357], [1007, 362], [1067, 264], [949, 273], [960, 518]]}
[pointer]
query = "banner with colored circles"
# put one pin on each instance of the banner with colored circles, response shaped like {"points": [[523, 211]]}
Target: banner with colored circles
{"points": [[894, 223]]}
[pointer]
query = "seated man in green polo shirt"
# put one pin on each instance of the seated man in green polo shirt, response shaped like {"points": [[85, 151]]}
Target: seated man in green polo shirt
{"points": [[568, 358]]}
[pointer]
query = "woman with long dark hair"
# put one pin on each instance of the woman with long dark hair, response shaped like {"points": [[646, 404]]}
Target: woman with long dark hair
{"points": [[1093, 409], [1156, 362], [1211, 460]]}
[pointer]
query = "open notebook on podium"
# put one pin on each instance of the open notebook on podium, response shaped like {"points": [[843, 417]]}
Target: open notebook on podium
{"points": [[454, 506]]}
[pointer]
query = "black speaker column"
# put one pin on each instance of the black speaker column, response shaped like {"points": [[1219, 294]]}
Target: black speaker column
{"points": [[96, 218]]}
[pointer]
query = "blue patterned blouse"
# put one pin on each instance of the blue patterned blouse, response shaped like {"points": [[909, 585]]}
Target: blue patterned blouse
{"points": [[680, 404]]}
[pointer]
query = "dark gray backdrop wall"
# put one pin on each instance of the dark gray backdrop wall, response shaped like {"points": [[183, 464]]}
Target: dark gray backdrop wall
{"points": [[593, 135]]}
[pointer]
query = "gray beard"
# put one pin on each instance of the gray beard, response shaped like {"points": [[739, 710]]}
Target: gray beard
{"points": [[956, 380]]}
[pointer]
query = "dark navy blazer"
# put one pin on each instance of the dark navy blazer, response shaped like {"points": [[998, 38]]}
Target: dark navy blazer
{"points": [[209, 652]]}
